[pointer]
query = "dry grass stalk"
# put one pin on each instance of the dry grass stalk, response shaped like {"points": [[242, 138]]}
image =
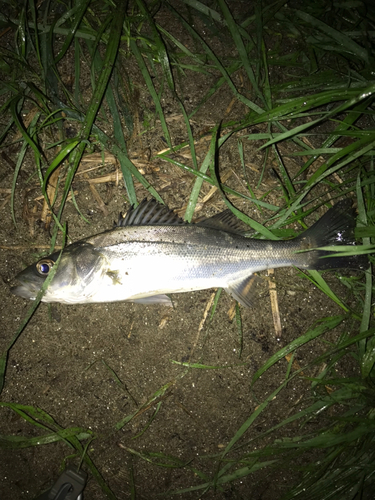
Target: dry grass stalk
{"points": [[274, 304], [201, 324], [5, 201], [97, 197]]}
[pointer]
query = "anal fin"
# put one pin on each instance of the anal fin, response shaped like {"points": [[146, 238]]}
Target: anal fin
{"points": [[243, 290]]}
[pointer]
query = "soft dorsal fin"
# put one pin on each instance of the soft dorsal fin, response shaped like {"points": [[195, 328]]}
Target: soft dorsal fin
{"points": [[224, 221], [150, 213]]}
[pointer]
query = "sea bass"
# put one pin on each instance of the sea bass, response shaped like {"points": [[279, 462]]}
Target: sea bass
{"points": [[152, 252]]}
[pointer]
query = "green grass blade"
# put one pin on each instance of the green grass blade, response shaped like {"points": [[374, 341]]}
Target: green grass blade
{"points": [[199, 180], [20, 159], [19, 442], [76, 14], [117, 128], [247, 220], [158, 394], [159, 43], [200, 366], [148, 80], [226, 189], [216, 301], [324, 325], [245, 426], [63, 153], [97, 97], [236, 35], [344, 43], [28, 316], [217, 63], [320, 283], [153, 416]]}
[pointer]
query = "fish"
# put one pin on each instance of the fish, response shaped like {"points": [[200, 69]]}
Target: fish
{"points": [[152, 253]]}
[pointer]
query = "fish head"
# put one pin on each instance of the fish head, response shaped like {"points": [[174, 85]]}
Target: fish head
{"points": [[75, 278]]}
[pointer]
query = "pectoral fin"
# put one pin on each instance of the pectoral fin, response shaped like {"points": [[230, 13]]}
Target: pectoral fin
{"points": [[243, 290], [163, 300]]}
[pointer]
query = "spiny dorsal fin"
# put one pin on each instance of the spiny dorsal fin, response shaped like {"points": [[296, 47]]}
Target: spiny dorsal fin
{"points": [[150, 213], [224, 221], [153, 213]]}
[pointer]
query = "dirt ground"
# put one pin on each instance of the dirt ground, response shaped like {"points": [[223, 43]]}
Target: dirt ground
{"points": [[69, 359]]}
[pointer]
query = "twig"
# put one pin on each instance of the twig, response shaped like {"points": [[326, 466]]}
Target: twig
{"points": [[28, 247], [274, 305], [97, 197], [5, 201], [201, 324]]}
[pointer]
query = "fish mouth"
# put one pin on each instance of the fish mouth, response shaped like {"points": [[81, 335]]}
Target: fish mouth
{"points": [[24, 292], [26, 285]]}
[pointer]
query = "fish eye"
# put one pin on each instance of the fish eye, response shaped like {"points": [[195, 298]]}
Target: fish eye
{"points": [[44, 266]]}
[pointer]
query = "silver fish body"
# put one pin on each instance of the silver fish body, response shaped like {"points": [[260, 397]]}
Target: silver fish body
{"points": [[153, 253]]}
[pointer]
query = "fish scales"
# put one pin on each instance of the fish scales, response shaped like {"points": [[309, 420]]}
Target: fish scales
{"points": [[160, 260]]}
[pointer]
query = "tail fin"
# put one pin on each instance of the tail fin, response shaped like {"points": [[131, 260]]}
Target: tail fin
{"points": [[336, 227]]}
